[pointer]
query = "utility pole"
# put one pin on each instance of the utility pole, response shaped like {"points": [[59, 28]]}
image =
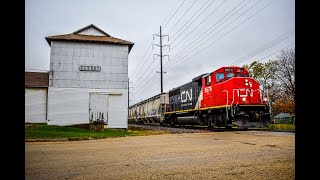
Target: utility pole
{"points": [[161, 62], [161, 69]]}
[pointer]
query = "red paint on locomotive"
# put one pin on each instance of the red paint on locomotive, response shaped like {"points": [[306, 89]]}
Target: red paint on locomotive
{"points": [[230, 86], [225, 97]]}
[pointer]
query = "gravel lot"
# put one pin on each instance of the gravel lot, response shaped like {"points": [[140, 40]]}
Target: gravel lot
{"points": [[214, 155]]}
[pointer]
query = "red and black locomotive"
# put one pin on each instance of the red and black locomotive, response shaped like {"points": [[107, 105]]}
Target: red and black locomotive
{"points": [[226, 97]]}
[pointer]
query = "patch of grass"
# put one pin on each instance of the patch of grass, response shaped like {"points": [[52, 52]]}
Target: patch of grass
{"points": [[43, 131], [290, 127]]}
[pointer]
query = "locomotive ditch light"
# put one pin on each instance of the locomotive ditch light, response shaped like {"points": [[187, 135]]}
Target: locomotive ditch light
{"points": [[265, 99], [246, 80], [244, 99], [246, 84]]}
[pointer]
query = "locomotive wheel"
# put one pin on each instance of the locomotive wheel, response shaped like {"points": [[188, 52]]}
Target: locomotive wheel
{"points": [[173, 122], [210, 124]]}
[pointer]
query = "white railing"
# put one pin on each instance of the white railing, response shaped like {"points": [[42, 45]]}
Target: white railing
{"points": [[227, 103]]}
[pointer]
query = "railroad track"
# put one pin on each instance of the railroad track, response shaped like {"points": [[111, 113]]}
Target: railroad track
{"points": [[186, 128]]}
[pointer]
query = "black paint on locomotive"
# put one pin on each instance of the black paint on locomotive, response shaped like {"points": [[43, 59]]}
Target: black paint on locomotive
{"points": [[186, 96]]}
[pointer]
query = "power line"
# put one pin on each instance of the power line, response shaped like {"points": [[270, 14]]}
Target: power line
{"points": [[207, 39], [139, 66], [210, 28], [195, 18], [207, 16], [200, 38], [221, 36], [146, 70], [174, 13], [151, 87], [146, 85], [197, 25], [265, 47], [276, 52], [182, 16]]}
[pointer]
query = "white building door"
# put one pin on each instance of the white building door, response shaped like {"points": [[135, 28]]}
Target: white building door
{"points": [[35, 105], [98, 107]]}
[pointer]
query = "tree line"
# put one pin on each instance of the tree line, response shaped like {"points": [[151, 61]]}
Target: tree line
{"points": [[277, 77]]}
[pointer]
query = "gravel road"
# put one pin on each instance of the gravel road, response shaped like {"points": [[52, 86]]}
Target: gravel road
{"points": [[214, 155]]}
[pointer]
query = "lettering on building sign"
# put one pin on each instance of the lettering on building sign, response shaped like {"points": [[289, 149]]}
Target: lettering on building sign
{"points": [[90, 68]]}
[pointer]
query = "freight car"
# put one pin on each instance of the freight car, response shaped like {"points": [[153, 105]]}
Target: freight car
{"points": [[150, 110], [226, 97]]}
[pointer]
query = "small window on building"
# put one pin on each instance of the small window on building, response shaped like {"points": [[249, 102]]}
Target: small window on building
{"points": [[219, 76], [208, 80], [230, 75]]}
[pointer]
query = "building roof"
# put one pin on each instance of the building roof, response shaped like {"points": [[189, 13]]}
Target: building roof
{"points": [[75, 36], [282, 115], [91, 26], [36, 79]]}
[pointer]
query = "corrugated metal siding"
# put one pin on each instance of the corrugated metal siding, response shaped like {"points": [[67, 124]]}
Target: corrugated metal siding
{"points": [[66, 57], [68, 106], [91, 31], [35, 105]]}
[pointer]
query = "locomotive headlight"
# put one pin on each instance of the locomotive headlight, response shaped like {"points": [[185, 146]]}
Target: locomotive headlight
{"points": [[246, 84], [246, 80], [244, 99]]}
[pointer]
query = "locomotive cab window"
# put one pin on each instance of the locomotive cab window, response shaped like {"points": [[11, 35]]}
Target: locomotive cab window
{"points": [[208, 80], [246, 75], [230, 75], [219, 76], [239, 75]]}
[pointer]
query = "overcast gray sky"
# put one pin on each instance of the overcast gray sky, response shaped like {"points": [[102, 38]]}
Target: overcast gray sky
{"points": [[203, 34]]}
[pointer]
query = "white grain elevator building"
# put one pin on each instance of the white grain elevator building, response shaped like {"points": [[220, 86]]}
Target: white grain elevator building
{"points": [[88, 78]]}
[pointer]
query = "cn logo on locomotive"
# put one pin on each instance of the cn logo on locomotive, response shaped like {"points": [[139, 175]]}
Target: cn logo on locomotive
{"points": [[187, 96]]}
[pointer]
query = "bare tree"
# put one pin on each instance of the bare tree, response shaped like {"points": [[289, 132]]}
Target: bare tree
{"points": [[285, 74]]}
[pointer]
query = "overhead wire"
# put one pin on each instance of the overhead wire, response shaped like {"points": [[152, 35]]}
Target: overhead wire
{"points": [[199, 38], [266, 46], [202, 21], [171, 67], [174, 14], [182, 16], [139, 66]]}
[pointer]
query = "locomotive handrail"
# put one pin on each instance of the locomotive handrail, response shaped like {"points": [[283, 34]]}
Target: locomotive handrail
{"points": [[260, 93], [233, 99], [227, 103]]}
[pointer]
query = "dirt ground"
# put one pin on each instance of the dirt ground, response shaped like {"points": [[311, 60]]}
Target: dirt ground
{"points": [[216, 155]]}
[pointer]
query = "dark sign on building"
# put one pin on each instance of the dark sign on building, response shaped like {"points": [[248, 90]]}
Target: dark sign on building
{"points": [[90, 68]]}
